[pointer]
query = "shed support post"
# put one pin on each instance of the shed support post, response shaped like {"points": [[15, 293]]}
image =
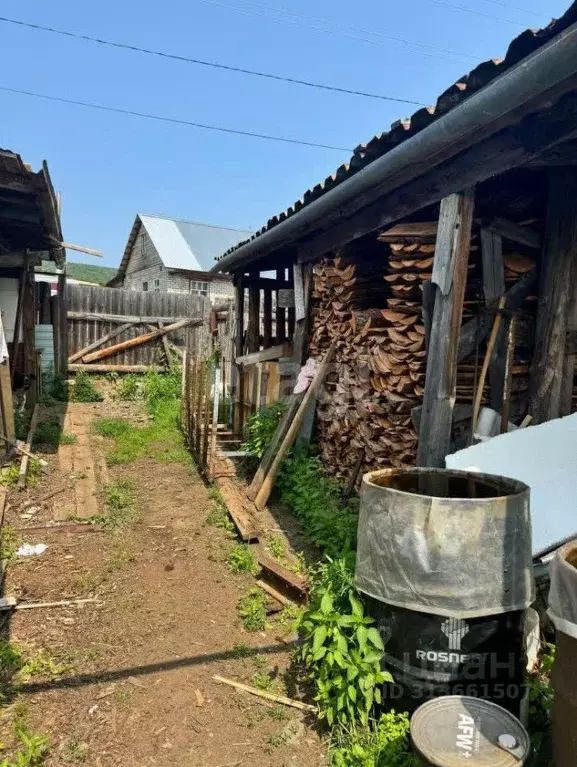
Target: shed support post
{"points": [[267, 318], [253, 330], [61, 327], [238, 352], [449, 278], [551, 380], [280, 312]]}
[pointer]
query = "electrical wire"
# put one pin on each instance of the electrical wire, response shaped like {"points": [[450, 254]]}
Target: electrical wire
{"points": [[202, 62], [350, 32], [174, 120], [477, 13]]}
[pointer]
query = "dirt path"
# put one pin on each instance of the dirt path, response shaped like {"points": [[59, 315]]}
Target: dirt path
{"points": [[139, 689]]}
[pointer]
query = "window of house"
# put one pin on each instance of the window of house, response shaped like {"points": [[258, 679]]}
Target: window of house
{"points": [[200, 288], [143, 244], [157, 285], [145, 285]]}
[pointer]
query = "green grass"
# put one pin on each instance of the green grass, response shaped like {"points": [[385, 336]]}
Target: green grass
{"points": [[218, 515], [276, 546], [9, 544], [118, 558], [51, 433]]}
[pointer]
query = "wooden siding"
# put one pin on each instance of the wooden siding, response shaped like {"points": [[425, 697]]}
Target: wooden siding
{"points": [[118, 301]]}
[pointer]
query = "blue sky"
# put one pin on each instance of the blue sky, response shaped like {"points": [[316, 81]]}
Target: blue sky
{"points": [[109, 167]]}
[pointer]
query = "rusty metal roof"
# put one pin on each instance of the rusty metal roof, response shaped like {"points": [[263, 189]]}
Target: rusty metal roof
{"points": [[401, 130]]}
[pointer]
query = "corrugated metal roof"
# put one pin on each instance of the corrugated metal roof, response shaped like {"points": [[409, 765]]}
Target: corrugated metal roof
{"points": [[401, 130], [182, 245]]}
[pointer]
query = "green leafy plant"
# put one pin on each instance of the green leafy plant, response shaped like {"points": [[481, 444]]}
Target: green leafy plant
{"points": [[218, 515], [55, 388], [240, 559], [342, 652], [84, 389], [316, 500], [276, 546], [260, 428], [541, 697], [9, 544], [384, 743], [34, 754], [130, 388], [252, 609]]}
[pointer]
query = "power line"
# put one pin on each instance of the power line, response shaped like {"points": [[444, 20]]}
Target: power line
{"points": [[174, 120], [350, 32], [214, 64], [478, 13]]}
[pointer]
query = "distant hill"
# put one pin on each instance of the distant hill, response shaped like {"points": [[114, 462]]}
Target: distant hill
{"points": [[90, 272]]}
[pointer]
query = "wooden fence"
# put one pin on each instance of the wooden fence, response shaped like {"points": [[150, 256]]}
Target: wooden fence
{"points": [[112, 316]]}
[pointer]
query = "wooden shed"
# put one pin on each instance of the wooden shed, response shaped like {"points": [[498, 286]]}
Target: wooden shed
{"points": [[30, 232], [444, 250]]}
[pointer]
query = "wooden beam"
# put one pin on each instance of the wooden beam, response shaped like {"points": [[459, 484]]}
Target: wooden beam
{"points": [[266, 355], [253, 328], [507, 149], [476, 330], [557, 297], [62, 330], [137, 320], [165, 346], [514, 232], [449, 276], [293, 404], [6, 404], [280, 312], [138, 341], [494, 289], [100, 342], [294, 429], [267, 318], [238, 352], [16, 338], [302, 330]]}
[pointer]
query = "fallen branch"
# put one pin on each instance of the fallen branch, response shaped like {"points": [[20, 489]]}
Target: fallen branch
{"points": [[264, 694], [62, 603], [138, 341]]}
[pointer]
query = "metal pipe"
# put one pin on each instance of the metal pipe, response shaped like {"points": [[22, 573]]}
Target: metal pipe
{"points": [[548, 72]]}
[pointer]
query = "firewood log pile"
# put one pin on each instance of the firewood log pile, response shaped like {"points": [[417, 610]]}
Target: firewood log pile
{"points": [[373, 307]]}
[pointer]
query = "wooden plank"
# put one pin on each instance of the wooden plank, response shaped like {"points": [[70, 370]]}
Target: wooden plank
{"points": [[199, 403], [294, 429], [514, 232], [142, 339], [274, 593], [272, 383], [451, 255], [16, 338], [509, 358], [28, 326], [272, 567], [267, 319], [265, 355], [428, 309], [77, 367], [77, 316], [21, 484], [293, 404], [298, 278], [165, 346], [100, 341], [214, 426], [6, 403], [207, 410], [493, 289], [62, 301], [238, 509], [302, 329], [557, 297]]}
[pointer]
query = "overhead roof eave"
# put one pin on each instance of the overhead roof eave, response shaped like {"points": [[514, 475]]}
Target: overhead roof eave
{"points": [[527, 87]]}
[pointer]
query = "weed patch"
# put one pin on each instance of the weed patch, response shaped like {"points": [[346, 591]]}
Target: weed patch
{"points": [[261, 427], [121, 505], [252, 610], [51, 433], [33, 752], [9, 544], [118, 558], [241, 560], [84, 389], [10, 474], [382, 744], [218, 515], [276, 546]]}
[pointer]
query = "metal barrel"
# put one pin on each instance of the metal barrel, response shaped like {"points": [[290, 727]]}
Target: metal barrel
{"points": [[444, 558], [457, 730]]}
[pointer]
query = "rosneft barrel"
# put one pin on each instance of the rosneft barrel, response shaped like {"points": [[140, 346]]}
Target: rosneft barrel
{"points": [[456, 730], [444, 558]]}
